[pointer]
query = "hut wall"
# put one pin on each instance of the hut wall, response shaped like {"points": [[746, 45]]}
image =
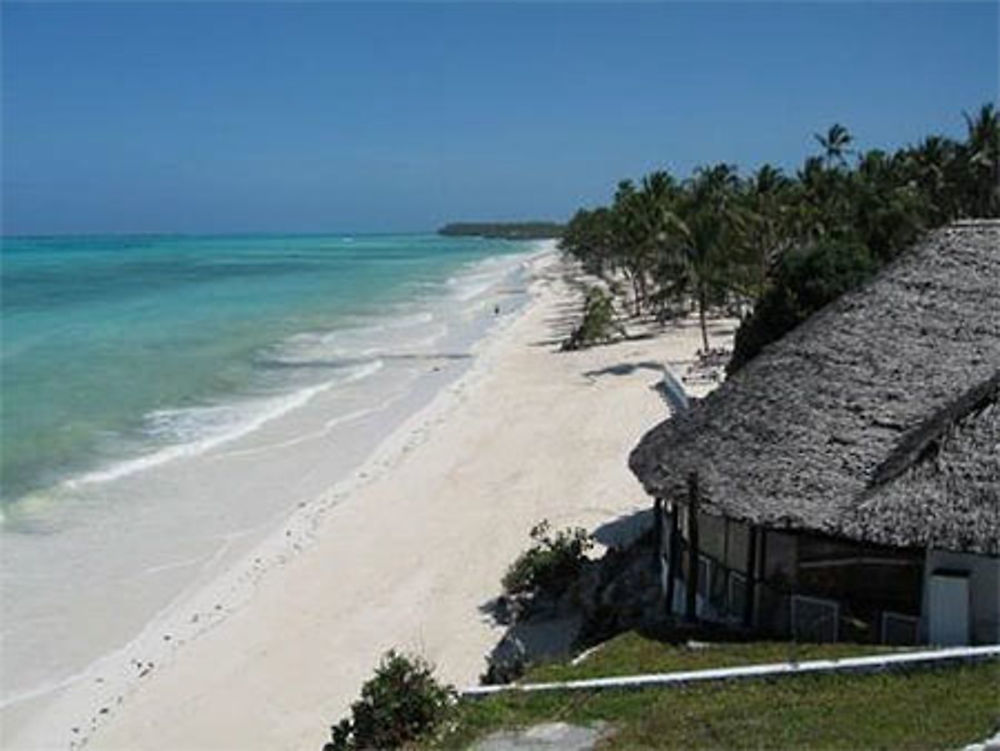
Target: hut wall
{"points": [[777, 560], [863, 582], [984, 592], [867, 581], [737, 546], [723, 580], [781, 559], [712, 536]]}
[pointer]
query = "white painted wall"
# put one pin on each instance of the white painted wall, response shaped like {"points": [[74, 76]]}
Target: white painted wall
{"points": [[948, 610], [984, 592]]}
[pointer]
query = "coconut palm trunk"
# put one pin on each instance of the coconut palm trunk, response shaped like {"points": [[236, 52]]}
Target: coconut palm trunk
{"points": [[702, 304]]}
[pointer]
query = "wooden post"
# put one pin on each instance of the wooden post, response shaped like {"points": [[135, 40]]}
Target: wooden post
{"points": [[658, 542], [691, 604], [762, 575], [674, 557], [748, 604]]}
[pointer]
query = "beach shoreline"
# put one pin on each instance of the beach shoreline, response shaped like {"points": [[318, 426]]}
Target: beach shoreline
{"points": [[319, 444], [41, 716], [403, 554]]}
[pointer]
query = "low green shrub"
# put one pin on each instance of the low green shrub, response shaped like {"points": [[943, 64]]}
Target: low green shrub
{"points": [[400, 704], [550, 564], [599, 324]]}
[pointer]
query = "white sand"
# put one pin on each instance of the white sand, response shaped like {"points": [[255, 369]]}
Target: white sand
{"points": [[406, 558]]}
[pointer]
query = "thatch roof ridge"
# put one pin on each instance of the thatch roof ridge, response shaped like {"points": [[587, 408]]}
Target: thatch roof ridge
{"points": [[806, 427], [913, 444], [955, 482]]}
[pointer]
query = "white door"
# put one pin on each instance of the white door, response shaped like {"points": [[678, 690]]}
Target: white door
{"points": [[949, 609]]}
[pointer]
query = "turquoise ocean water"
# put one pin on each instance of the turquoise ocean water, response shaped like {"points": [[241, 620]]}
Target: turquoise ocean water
{"points": [[113, 347]]}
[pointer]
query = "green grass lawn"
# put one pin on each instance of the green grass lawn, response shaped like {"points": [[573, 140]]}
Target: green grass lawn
{"points": [[941, 708]]}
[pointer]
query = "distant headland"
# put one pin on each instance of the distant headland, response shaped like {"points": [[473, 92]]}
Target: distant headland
{"points": [[505, 230]]}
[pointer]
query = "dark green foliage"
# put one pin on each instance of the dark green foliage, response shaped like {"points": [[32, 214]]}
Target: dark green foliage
{"points": [[805, 280], [979, 170], [400, 704], [589, 237], [599, 322], [504, 230], [550, 564], [887, 213]]}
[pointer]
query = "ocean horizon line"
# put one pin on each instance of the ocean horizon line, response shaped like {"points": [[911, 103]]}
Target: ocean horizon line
{"points": [[235, 233], [252, 233]]}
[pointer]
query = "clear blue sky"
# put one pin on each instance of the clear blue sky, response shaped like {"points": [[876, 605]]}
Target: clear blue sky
{"points": [[198, 117]]}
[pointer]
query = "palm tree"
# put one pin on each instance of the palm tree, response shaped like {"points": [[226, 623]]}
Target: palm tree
{"points": [[641, 216], [835, 144], [767, 198], [931, 164], [589, 237], [821, 205], [983, 159], [887, 210], [631, 240], [706, 225], [983, 130]]}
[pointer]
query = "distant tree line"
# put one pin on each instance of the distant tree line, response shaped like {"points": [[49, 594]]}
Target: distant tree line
{"points": [[504, 230], [785, 245]]}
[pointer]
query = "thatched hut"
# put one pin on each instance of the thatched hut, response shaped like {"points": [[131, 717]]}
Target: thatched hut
{"points": [[846, 482]]}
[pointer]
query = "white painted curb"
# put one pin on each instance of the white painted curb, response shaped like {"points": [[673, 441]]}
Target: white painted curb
{"points": [[925, 658]]}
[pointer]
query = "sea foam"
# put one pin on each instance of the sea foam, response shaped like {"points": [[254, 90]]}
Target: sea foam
{"points": [[197, 430]]}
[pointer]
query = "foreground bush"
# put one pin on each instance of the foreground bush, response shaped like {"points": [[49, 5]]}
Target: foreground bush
{"points": [[402, 703], [550, 564]]}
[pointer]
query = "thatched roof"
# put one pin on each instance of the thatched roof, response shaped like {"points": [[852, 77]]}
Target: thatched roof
{"points": [[877, 419]]}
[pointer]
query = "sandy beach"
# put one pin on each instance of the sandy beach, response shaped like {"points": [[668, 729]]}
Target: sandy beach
{"points": [[404, 555]]}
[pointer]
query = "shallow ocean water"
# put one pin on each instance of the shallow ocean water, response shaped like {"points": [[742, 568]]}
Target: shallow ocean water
{"points": [[115, 346]]}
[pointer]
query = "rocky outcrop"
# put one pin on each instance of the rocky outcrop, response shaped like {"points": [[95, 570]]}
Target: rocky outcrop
{"points": [[615, 593]]}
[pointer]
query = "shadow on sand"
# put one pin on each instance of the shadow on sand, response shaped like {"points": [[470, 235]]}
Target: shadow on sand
{"points": [[625, 368], [624, 530]]}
